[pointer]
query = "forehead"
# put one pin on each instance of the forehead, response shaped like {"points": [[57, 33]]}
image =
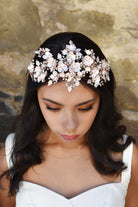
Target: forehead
{"points": [[58, 92]]}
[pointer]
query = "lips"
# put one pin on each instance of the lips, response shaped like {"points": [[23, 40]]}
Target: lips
{"points": [[71, 137]]}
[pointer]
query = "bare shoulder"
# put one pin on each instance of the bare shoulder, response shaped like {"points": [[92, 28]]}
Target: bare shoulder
{"points": [[132, 194], [3, 164], [5, 200], [135, 156], [135, 163]]}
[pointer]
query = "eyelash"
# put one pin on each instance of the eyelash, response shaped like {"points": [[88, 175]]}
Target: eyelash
{"points": [[52, 109], [86, 109], [57, 109]]}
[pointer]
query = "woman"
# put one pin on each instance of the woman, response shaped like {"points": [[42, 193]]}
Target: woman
{"points": [[68, 148]]}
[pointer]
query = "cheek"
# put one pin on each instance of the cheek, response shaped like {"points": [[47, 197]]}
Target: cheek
{"points": [[88, 119], [52, 120], [49, 119]]}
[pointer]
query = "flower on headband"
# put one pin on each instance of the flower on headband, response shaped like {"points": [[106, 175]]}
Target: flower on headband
{"points": [[71, 46], [70, 66], [62, 67], [41, 77], [31, 68], [51, 63], [75, 67], [54, 76], [88, 61], [70, 57]]}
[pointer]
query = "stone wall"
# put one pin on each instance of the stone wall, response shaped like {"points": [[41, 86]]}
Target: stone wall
{"points": [[25, 24]]}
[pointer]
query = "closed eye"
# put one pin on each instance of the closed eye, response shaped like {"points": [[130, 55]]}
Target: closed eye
{"points": [[80, 109], [85, 109], [52, 109]]}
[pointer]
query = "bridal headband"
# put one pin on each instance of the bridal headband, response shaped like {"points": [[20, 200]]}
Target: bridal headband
{"points": [[70, 66]]}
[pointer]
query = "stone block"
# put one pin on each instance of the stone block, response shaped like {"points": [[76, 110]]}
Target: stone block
{"points": [[20, 25], [6, 107], [126, 98], [4, 95]]}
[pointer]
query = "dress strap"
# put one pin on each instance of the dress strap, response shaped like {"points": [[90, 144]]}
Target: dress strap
{"points": [[8, 148], [127, 159]]}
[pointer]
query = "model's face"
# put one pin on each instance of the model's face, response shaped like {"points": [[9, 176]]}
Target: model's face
{"points": [[68, 115]]}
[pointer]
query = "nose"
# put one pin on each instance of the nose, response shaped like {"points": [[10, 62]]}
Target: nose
{"points": [[70, 121]]}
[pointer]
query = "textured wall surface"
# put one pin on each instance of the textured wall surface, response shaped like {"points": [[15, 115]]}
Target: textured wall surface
{"points": [[25, 24]]}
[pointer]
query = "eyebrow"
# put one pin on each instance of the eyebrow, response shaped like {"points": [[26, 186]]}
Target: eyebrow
{"points": [[80, 104]]}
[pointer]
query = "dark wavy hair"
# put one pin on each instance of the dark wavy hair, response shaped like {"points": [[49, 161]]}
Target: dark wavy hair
{"points": [[103, 136]]}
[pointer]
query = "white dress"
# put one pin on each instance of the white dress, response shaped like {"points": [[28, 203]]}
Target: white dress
{"points": [[107, 195]]}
